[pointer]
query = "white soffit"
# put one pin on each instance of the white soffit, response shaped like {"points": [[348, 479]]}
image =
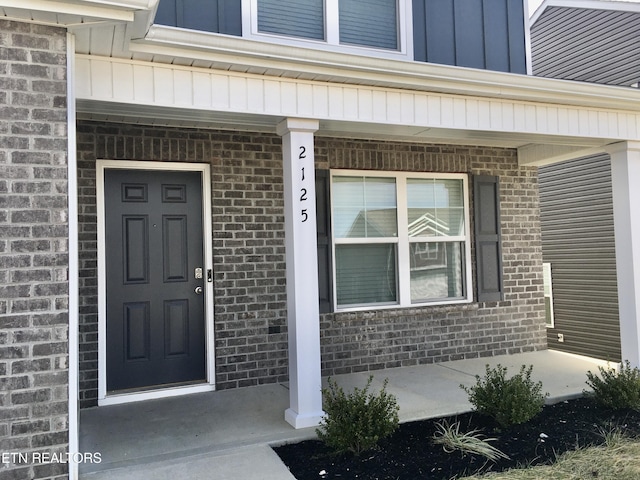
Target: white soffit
{"points": [[72, 12]]}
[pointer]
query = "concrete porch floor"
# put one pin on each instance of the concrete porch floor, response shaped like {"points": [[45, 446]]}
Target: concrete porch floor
{"points": [[226, 435]]}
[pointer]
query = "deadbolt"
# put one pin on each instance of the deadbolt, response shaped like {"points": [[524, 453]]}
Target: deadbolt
{"points": [[198, 290]]}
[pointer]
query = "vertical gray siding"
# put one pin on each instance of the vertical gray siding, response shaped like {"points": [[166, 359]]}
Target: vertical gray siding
{"points": [[576, 214], [218, 16], [487, 34]]}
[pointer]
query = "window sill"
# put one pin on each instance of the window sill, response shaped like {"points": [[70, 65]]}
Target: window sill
{"points": [[323, 46], [395, 306]]}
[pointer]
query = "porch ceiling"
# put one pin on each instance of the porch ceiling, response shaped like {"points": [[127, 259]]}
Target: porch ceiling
{"points": [[196, 118]]}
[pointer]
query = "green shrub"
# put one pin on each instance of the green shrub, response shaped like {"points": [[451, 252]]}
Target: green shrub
{"points": [[509, 401], [358, 421], [449, 436], [616, 390]]}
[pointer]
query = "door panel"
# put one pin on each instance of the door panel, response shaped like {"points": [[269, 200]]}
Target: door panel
{"points": [[155, 318]]}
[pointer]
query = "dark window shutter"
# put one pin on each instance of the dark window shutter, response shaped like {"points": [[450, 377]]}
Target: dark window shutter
{"points": [[323, 221], [486, 206]]}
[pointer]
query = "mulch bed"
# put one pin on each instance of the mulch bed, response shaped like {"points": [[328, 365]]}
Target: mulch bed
{"points": [[409, 454]]}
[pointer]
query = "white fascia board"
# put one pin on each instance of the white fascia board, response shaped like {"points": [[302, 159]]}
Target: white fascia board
{"points": [[103, 10], [71, 8], [627, 6], [363, 70]]}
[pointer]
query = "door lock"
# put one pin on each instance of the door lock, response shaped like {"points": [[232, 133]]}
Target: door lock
{"points": [[198, 290], [198, 273]]}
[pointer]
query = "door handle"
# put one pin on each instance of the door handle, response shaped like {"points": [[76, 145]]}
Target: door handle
{"points": [[198, 290]]}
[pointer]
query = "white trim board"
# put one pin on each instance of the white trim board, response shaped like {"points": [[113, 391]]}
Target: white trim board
{"points": [[119, 399], [74, 280], [101, 166]]}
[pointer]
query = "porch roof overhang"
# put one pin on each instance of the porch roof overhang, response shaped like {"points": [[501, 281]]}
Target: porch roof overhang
{"points": [[129, 70], [546, 120], [172, 76]]}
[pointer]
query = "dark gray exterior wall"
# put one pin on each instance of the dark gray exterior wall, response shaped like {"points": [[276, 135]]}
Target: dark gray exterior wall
{"points": [[599, 46], [576, 211], [486, 34], [33, 249], [588, 45], [249, 260], [217, 16]]}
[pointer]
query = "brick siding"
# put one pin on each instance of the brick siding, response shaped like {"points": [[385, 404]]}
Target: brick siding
{"points": [[33, 249], [363, 341], [249, 262]]}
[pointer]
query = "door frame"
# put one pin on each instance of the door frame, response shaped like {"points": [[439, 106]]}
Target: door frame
{"points": [[111, 399]]}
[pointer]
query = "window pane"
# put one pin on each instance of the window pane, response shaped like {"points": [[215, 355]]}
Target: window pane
{"points": [[373, 23], [296, 18], [364, 207], [436, 207], [437, 271], [366, 274], [548, 294]]}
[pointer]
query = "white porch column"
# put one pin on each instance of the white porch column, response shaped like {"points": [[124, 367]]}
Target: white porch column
{"points": [[625, 176], [303, 315]]}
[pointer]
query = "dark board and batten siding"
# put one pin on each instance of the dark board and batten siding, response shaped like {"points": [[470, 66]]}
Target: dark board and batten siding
{"points": [[217, 16], [576, 214], [486, 34]]}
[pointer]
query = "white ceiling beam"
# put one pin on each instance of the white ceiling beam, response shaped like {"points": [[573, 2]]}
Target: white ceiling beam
{"points": [[539, 155]]}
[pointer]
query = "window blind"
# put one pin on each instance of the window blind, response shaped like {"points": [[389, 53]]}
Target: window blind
{"points": [[296, 18], [372, 23]]}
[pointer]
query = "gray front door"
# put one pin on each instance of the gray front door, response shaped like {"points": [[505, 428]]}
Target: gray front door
{"points": [[155, 304]]}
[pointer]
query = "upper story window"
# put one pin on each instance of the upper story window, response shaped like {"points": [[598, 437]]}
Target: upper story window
{"points": [[382, 27]]}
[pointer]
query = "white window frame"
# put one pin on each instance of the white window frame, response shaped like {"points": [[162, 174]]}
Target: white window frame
{"points": [[332, 34], [547, 275], [403, 241]]}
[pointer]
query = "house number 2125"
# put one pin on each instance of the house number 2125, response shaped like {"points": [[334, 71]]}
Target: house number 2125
{"points": [[303, 191]]}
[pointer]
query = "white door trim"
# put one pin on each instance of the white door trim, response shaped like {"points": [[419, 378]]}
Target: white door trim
{"points": [[103, 397]]}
